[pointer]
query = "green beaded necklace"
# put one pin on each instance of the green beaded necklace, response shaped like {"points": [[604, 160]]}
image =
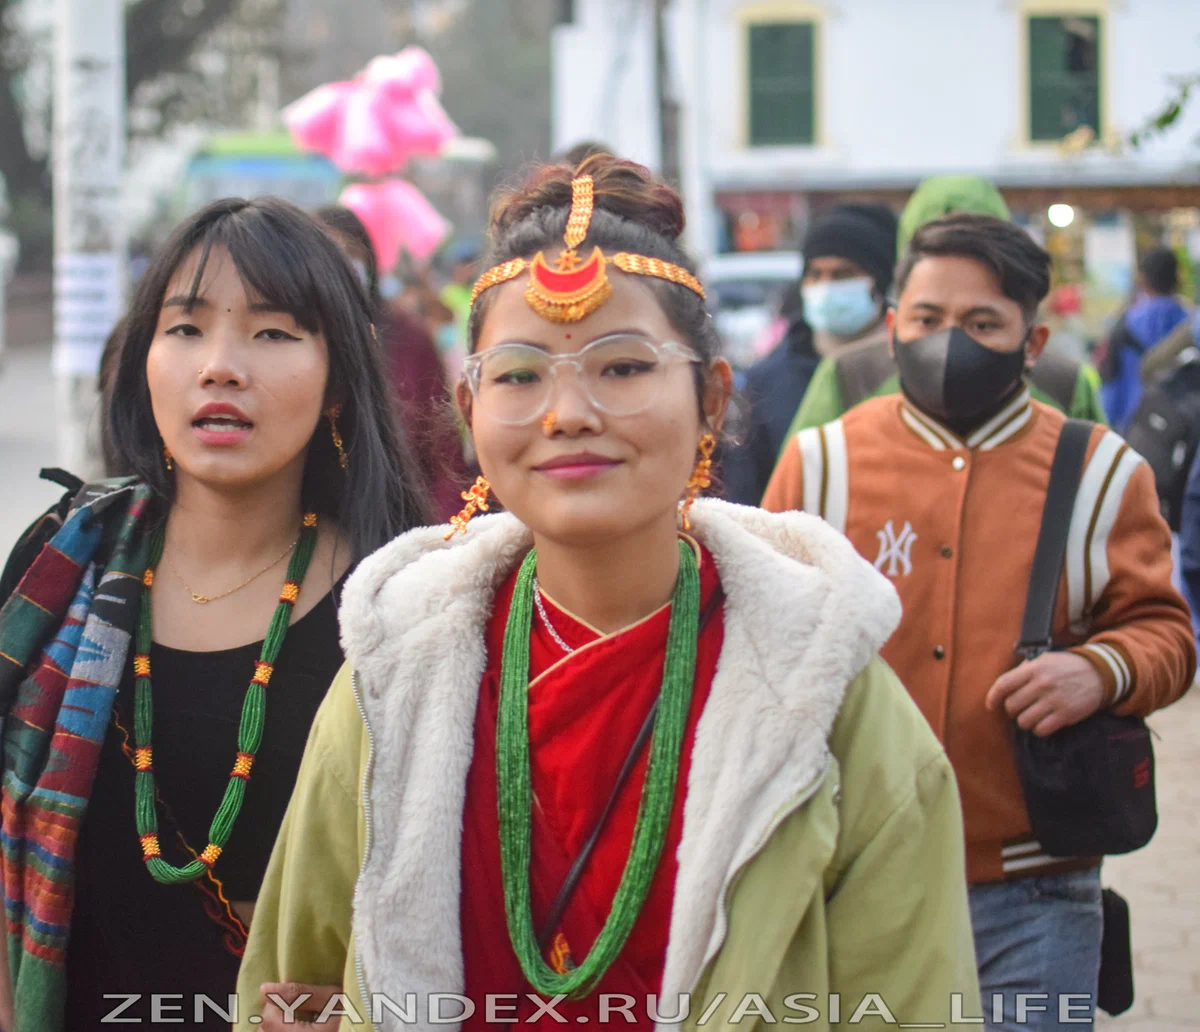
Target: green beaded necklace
{"points": [[250, 728], [658, 792]]}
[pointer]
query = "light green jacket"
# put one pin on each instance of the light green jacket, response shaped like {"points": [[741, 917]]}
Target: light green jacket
{"points": [[822, 851]]}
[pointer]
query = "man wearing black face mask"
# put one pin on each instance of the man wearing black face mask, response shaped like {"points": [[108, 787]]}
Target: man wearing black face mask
{"points": [[942, 488]]}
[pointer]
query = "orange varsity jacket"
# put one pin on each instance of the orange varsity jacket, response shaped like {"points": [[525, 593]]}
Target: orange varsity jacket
{"points": [[954, 524]]}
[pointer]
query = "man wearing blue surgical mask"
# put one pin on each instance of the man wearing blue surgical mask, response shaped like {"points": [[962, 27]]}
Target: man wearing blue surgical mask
{"points": [[849, 253], [838, 309]]}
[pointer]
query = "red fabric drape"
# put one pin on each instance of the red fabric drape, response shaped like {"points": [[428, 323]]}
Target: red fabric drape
{"points": [[584, 715]]}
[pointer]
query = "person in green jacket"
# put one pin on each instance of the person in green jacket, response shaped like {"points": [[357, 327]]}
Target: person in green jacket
{"points": [[841, 382], [479, 812]]}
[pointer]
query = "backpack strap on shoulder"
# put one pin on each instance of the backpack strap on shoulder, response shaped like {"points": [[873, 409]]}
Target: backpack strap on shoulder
{"points": [[862, 370], [1056, 376]]}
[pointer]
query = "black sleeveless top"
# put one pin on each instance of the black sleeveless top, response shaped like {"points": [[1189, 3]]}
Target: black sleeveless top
{"points": [[129, 934]]}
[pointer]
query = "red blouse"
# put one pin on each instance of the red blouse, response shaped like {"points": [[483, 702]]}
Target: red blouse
{"points": [[585, 711]]}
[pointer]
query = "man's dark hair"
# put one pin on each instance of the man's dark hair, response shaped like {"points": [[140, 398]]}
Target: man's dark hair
{"points": [[1160, 271], [1021, 266]]}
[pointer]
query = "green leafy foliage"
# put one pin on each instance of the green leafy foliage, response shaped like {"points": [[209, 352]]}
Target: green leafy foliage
{"points": [[1156, 125]]}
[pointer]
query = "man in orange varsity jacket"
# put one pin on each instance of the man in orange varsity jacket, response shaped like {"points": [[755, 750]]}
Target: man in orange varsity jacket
{"points": [[942, 488]]}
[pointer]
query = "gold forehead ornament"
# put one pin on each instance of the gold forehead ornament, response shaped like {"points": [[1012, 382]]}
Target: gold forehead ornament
{"points": [[576, 287]]}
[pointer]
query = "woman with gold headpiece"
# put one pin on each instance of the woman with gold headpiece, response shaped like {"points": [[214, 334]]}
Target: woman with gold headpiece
{"points": [[620, 745]]}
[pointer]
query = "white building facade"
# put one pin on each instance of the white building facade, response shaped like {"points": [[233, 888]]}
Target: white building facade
{"points": [[789, 105]]}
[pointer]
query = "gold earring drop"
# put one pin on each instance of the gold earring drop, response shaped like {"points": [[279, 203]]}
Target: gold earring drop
{"points": [[477, 500], [333, 414], [701, 479], [169, 457]]}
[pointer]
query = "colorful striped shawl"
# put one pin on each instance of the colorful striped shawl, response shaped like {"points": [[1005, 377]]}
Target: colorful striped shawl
{"points": [[64, 639]]}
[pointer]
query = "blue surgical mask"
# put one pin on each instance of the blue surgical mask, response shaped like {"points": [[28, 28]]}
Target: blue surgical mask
{"points": [[842, 307]]}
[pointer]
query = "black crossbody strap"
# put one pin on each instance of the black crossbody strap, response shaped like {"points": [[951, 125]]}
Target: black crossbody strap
{"points": [[1065, 475], [550, 926]]}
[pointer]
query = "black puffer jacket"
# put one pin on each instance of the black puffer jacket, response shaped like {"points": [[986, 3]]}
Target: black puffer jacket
{"points": [[770, 395]]}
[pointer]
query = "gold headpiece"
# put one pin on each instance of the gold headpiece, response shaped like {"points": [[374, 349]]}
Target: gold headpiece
{"points": [[574, 288]]}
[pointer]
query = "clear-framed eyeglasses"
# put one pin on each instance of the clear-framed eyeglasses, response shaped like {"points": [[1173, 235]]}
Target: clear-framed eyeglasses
{"points": [[621, 374]]}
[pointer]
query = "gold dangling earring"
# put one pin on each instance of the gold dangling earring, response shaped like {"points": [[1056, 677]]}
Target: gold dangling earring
{"points": [[167, 455], [333, 414], [701, 479], [477, 500]]}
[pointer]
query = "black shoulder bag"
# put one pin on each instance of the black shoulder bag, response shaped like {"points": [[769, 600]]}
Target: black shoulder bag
{"points": [[1089, 788]]}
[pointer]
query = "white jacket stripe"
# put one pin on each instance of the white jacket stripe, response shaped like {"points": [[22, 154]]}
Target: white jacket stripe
{"points": [[1116, 663], [1108, 506], [810, 443], [1087, 503], [837, 483]]}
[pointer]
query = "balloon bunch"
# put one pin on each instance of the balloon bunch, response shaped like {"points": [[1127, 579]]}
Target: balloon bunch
{"points": [[372, 126]]}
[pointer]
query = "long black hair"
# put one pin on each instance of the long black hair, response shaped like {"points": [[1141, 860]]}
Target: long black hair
{"points": [[284, 257]]}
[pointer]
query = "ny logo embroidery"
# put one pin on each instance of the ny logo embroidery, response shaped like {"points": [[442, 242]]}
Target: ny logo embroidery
{"points": [[895, 551]]}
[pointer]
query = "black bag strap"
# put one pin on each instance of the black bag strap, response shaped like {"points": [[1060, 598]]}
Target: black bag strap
{"points": [[1057, 376], [550, 925], [1065, 475]]}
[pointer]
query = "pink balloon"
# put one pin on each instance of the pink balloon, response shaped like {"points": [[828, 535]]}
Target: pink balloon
{"points": [[366, 201], [396, 216], [367, 146], [315, 120], [421, 126], [375, 123], [405, 74], [421, 228]]}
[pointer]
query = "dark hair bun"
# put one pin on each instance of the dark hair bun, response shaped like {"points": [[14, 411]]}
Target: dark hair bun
{"points": [[622, 188]]}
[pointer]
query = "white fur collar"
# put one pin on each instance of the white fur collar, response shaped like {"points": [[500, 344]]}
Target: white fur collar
{"points": [[804, 614]]}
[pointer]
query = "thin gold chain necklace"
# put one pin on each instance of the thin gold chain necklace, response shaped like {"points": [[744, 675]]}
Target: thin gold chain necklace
{"points": [[203, 600]]}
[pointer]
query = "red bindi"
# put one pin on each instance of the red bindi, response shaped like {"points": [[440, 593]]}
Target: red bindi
{"points": [[568, 336]]}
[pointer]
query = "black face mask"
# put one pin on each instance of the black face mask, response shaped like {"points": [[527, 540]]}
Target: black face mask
{"points": [[955, 379]]}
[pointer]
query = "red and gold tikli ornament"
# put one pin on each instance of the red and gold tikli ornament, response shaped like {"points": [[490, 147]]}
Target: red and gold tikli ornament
{"points": [[576, 286]]}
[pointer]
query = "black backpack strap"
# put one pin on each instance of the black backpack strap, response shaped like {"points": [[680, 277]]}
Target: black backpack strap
{"points": [[1056, 376], [861, 370], [1065, 475], [29, 545]]}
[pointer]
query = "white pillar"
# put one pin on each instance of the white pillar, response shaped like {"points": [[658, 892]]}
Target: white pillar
{"points": [[89, 237], [691, 64], [9, 252]]}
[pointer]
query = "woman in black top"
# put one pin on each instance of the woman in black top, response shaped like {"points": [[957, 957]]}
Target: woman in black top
{"points": [[249, 402]]}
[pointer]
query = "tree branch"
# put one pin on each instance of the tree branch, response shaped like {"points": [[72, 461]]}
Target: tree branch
{"points": [[160, 36], [23, 173], [1168, 114]]}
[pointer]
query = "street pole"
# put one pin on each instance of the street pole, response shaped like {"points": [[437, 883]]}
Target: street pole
{"points": [[695, 128], [89, 238], [668, 105]]}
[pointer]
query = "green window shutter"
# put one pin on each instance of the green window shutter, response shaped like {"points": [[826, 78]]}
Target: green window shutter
{"points": [[1064, 76], [781, 62]]}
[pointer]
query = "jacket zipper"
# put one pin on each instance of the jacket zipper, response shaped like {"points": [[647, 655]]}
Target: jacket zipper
{"points": [[366, 804], [792, 806]]}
